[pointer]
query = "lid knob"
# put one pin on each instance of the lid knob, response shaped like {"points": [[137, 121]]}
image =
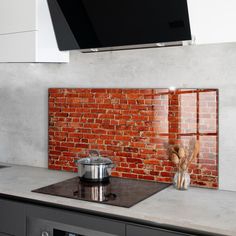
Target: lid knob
{"points": [[94, 153]]}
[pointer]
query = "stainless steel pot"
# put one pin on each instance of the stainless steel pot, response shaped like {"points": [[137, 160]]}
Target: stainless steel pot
{"points": [[95, 168]]}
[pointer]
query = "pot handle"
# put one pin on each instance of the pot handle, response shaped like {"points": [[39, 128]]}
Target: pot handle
{"points": [[113, 165]]}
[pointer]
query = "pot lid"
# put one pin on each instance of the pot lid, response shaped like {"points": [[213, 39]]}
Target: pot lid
{"points": [[95, 161]]}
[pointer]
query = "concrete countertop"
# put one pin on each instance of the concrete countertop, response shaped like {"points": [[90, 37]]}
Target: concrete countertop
{"points": [[199, 209]]}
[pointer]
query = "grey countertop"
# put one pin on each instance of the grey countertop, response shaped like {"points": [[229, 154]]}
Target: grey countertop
{"points": [[199, 209]]}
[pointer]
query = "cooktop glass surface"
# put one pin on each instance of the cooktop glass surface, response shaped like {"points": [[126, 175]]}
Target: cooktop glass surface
{"points": [[118, 191]]}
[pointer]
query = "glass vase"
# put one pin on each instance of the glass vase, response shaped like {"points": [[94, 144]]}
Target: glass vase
{"points": [[182, 180]]}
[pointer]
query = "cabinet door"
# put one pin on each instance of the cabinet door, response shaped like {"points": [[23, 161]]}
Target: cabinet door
{"points": [[17, 16], [144, 231], [12, 218], [18, 47]]}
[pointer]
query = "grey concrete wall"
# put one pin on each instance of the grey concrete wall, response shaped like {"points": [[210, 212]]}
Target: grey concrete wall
{"points": [[23, 93]]}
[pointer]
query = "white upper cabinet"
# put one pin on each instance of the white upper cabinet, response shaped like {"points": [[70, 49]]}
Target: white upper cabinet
{"points": [[17, 16], [213, 21], [26, 33]]}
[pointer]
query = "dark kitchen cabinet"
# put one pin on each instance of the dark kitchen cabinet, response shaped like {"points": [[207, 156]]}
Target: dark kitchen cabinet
{"points": [[12, 218], [44, 219], [148, 231], [25, 219], [1, 234]]}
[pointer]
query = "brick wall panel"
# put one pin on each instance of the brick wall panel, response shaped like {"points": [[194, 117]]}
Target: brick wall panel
{"points": [[133, 127]]}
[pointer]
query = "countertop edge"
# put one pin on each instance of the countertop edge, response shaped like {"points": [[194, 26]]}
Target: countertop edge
{"points": [[109, 215]]}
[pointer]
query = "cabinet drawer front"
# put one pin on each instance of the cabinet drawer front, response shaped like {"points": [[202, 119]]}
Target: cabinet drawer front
{"points": [[18, 47], [77, 219], [17, 16], [144, 231], [12, 218]]}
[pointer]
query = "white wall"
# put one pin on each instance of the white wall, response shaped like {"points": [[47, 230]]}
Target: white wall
{"points": [[23, 93]]}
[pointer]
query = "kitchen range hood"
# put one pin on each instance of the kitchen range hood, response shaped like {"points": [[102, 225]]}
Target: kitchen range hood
{"points": [[101, 25]]}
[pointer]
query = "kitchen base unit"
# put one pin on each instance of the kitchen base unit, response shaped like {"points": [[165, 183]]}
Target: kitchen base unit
{"points": [[26, 217], [12, 218]]}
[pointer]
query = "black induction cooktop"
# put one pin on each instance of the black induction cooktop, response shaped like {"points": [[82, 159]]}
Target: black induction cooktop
{"points": [[117, 191]]}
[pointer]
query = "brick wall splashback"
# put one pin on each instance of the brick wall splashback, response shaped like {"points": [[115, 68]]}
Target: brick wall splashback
{"points": [[133, 127]]}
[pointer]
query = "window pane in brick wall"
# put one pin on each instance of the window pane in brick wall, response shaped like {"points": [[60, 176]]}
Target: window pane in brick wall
{"points": [[188, 112], [207, 112], [134, 127]]}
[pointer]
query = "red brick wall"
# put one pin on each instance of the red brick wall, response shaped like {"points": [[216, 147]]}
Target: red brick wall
{"points": [[133, 127]]}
